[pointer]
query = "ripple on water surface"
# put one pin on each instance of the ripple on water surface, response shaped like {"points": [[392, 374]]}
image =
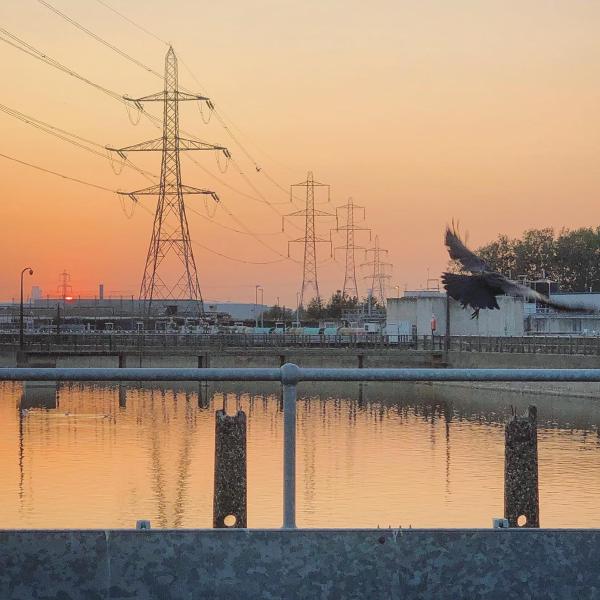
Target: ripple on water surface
{"points": [[380, 454]]}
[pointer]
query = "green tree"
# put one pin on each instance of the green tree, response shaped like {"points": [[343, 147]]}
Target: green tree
{"points": [[535, 254], [338, 303], [572, 258], [500, 255], [277, 313], [315, 310], [577, 262]]}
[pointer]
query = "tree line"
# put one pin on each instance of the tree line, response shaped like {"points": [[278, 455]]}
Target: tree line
{"points": [[319, 309], [569, 257]]}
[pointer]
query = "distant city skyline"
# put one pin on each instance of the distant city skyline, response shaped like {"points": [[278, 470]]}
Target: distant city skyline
{"points": [[420, 111]]}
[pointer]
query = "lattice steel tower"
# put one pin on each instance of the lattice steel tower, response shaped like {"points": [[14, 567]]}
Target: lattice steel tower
{"points": [[350, 289], [65, 289], [170, 241], [378, 276], [310, 239]]}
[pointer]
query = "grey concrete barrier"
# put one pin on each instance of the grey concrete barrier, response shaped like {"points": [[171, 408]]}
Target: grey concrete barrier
{"points": [[308, 564]]}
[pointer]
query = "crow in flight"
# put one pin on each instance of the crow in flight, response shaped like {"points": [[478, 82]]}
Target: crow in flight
{"points": [[479, 290]]}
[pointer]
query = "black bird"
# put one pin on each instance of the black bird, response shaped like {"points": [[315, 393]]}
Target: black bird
{"points": [[479, 290]]}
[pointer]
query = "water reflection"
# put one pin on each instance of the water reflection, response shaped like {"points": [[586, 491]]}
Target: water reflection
{"points": [[368, 454]]}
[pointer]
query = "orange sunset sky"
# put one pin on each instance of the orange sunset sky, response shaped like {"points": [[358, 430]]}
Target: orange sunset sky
{"points": [[420, 110]]}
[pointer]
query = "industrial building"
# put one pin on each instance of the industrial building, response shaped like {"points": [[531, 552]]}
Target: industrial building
{"points": [[416, 312], [121, 314], [544, 321]]}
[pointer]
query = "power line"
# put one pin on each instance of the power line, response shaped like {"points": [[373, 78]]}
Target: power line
{"points": [[67, 136], [146, 31], [39, 55], [142, 65], [100, 187], [64, 135], [239, 260], [35, 53], [57, 174], [99, 39]]}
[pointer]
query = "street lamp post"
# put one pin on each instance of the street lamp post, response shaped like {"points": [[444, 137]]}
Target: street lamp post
{"points": [[256, 305], [262, 307], [21, 333]]}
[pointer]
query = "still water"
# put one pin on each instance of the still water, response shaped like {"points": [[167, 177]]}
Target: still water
{"points": [[381, 454]]}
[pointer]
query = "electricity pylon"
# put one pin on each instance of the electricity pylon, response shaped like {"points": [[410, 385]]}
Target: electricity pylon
{"points": [[378, 276], [350, 289], [170, 234], [310, 239], [65, 289]]}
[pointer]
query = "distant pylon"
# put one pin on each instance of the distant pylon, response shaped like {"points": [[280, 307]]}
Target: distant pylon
{"points": [[170, 234], [378, 275], [65, 289], [350, 288], [310, 239]]}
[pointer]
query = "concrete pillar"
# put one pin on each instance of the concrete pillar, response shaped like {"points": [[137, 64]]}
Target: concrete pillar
{"points": [[122, 396], [122, 360], [361, 361], [521, 496], [203, 399], [447, 333], [230, 498], [281, 360]]}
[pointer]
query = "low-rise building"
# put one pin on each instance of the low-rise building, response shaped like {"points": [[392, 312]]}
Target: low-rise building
{"points": [[417, 311], [548, 321]]}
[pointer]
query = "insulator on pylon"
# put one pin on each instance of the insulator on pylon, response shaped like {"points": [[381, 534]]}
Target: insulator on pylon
{"points": [[138, 111], [117, 170]]}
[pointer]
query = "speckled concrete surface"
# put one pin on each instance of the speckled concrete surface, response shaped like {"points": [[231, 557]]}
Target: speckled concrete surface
{"points": [[269, 564]]}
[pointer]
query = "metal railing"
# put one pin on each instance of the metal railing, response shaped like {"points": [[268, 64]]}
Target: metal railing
{"points": [[290, 375], [189, 343]]}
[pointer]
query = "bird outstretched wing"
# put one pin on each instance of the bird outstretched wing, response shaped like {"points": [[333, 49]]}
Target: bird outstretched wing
{"points": [[511, 288], [458, 251]]}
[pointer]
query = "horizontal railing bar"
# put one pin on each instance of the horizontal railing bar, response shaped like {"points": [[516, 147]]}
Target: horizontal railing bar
{"points": [[291, 374], [138, 374], [465, 375]]}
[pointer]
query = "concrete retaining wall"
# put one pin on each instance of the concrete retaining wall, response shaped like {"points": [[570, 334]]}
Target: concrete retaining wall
{"points": [[327, 564]]}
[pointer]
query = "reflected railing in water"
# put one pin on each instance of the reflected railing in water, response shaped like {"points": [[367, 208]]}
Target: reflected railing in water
{"points": [[368, 454]]}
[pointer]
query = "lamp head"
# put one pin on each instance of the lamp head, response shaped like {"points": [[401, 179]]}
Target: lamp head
{"points": [[31, 271]]}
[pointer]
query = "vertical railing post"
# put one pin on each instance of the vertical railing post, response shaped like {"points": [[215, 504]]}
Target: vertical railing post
{"points": [[289, 380]]}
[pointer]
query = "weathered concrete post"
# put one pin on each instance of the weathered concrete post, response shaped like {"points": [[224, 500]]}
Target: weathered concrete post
{"points": [[447, 333], [281, 360], [122, 388], [230, 498], [122, 396], [203, 400], [521, 496]]}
